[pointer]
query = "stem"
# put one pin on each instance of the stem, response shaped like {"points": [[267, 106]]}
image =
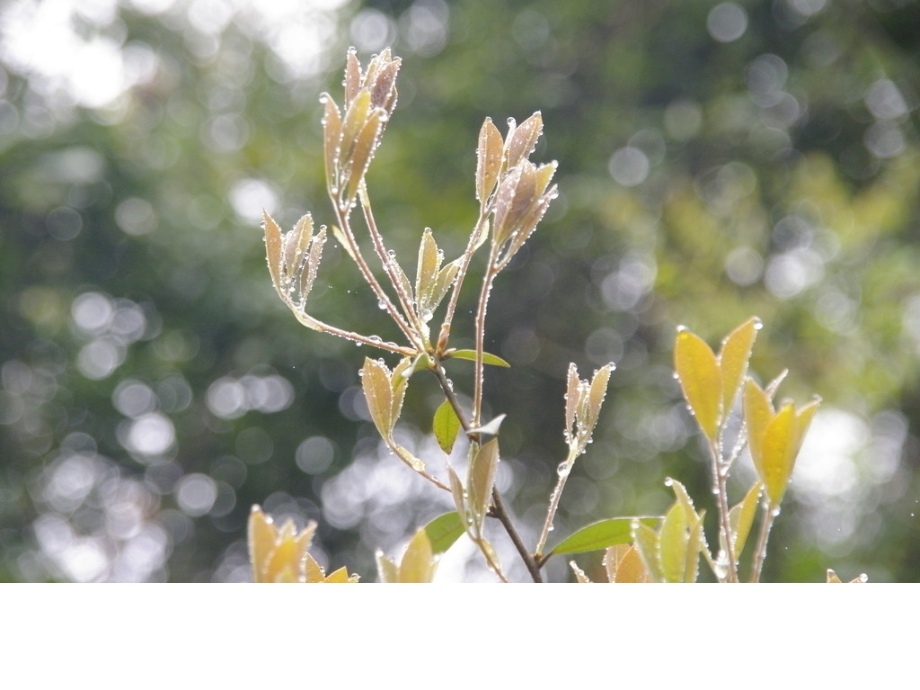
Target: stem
{"points": [[480, 326], [761, 552], [464, 266], [405, 300], [498, 509], [324, 327], [722, 500], [554, 504], [342, 216], [502, 514]]}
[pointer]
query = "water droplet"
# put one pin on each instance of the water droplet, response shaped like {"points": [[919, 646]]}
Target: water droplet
{"points": [[758, 324], [668, 481], [563, 469]]}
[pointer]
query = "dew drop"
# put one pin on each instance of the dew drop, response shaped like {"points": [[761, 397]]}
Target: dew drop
{"points": [[682, 329], [758, 324], [563, 469]]}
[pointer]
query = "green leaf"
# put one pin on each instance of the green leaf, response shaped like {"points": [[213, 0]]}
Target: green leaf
{"points": [[444, 530], [602, 534], [488, 159], [445, 426], [487, 358]]}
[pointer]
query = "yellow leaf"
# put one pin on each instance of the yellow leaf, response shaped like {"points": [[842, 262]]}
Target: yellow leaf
{"points": [[646, 541], [332, 140], [700, 379], [387, 569], [758, 413], [779, 453], [580, 576], [375, 380], [672, 544], [741, 517], [273, 250], [365, 143], [733, 360], [418, 563]]}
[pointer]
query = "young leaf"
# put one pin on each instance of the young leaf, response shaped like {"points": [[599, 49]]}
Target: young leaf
{"points": [[365, 143], [523, 139], [733, 360], [488, 159], [274, 250], [459, 495], [601, 535], [444, 530], [673, 543], [481, 478], [580, 576], [700, 379], [419, 562], [470, 355], [332, 139], [623, 564], [573, 393], [646, 542], [446, 425], [375, 380], [741, 517], [429, 263]]}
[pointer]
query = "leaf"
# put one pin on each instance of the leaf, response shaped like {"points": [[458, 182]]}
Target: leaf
{"points": [[375, 380], [741, 517], [646, 541], [387, 569], [623, 564], [601, 535], [444, 530], [490, 428], [418, 563], [470, 355], [353, 122], [481, 478], [733, 360], [573, 393], [680, 492], [344, 243], [596, 394], [523, 140], [273, 250], [445, 426], [700, 379], [694, 543], [580, 576], [458, 493], [365, 143], [672, 544], [488, 159], [429, 263], [332, 140]]}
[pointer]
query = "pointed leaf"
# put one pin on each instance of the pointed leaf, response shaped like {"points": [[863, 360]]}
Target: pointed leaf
{"points": [[573, 393], [490, 428], [602, 534], [487, 358], [429, 263], [446, 425], [344, 243], [524, 138], [741, 517], [481, 478], [596, 395], [700, 379], [446, 277], [365, 143], [694, 544], [680, 492], [387, 569], [488, 159], [444, 530], [580, 576], [418, 563], [779, 453], [458, 493], [672, 544], [624, 565], [355, 116], [646, 541], [274, 250], [758, 413], [332, 140], [733, 360], [375, 380], [352, 75]]}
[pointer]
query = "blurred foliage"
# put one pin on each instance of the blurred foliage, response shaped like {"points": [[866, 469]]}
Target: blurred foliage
{"points": [[715, 161]]}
